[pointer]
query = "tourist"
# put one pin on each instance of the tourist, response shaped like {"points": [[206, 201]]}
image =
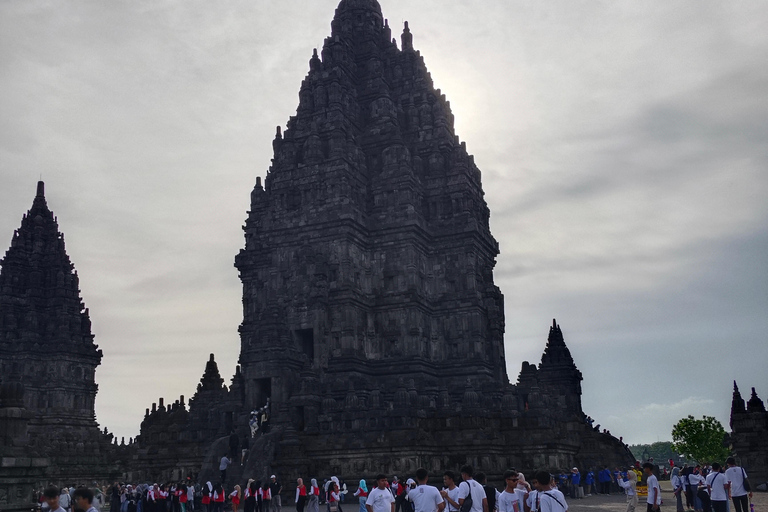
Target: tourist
{"points": [[207, 493], [65, 501], [380, 499], [548, 498], [52, 497], [181, 491], [190, 502], [491, 493], [332, 498], [472, 489], [83, 500], [266, 498], [174, 493], [701, 496], [425, 498], [450, 492], [604, 479], [630, 488], [275, 488], [219, 497], [736, 477], [589, 482], [509, 500], [251, 490], [362, 494], [235, 496], [532, 500], [690, 493], [654, 490], [259, 497], [225, 462], [677, 488], [717, 485], [301, 495], [114, 497], [575, 483], [313, 499], [398, 491]]}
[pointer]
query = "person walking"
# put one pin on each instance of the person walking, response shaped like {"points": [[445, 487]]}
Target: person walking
{"points": [[654, 490], [313, 496], [717, 485], [362, 494], [223, 465], [738, 483], [301, 495]]}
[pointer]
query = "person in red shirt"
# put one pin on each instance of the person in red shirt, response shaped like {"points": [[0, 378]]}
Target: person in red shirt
{"points": [[206, 501], [301, 495], [181, 492], [235, 497]]}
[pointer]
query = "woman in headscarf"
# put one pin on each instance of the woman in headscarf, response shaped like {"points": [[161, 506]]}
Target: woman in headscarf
{"points": [[677, 488], [362, 494], [301, 495], [630, 487], [313, 497]]}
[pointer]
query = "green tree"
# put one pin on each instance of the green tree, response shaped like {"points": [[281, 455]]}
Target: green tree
{"points": [[701, 440]]}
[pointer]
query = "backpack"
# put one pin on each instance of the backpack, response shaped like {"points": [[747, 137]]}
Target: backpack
{"points": [[467, 505]]}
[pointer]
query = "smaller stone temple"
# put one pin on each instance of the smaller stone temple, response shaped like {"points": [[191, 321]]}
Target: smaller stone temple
{"points": [[175, 438], [749, 436], [48, 362]]}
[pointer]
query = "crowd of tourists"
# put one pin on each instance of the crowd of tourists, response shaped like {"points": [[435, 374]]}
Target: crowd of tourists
{"points": [[703, 488]]}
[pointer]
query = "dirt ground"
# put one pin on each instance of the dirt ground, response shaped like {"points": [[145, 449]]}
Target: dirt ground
{"points": [[617, 502]]}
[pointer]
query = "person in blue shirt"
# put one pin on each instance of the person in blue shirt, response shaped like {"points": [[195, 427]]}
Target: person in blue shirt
{"points": [[604, 477], [589, 481], [575, 483]]}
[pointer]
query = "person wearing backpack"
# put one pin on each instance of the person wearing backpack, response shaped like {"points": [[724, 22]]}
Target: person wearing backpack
{"points": [[471, 493], [741, 491], [549, 499]]}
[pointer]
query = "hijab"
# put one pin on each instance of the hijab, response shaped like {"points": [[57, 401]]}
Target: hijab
{"points": [[363, 486]]}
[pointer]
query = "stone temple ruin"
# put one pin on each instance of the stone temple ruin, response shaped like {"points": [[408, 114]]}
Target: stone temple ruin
{"points": [[749, 426], [371, 321]]}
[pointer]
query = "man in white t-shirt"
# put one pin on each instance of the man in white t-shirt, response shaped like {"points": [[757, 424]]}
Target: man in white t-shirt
{"points": [[548, 498], [52, 498], [471, 488], [654, 490], [450, 492], [509, 499], [717, 484], [380, 499], [425, 498], [736, 476]]}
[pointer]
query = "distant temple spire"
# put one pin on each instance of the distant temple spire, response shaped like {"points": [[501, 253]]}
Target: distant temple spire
{"points": [[755, 404]]}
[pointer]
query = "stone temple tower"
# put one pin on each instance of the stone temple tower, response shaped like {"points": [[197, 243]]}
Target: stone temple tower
{"points": [[368, 250], [370, 314], [46, 341]]}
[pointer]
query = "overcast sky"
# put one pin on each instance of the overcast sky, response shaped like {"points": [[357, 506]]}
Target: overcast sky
{"points": [[623, 145]]}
